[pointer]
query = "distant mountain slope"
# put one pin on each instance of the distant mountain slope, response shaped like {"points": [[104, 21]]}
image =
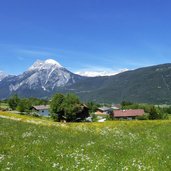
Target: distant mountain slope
{"points": [[149, 84], [43, 78]]}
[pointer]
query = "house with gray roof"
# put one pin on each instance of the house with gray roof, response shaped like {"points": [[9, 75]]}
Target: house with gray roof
{"points": [[103, 110], [42, 110]]}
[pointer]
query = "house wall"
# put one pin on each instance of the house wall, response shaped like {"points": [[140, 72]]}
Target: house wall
{"points": [[125, 117], [43, 112], [99, 112]]}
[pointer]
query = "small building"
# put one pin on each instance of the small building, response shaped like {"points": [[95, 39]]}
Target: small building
{"points": [[127, 114], [103, 111], [42, 110], [116, 106]]}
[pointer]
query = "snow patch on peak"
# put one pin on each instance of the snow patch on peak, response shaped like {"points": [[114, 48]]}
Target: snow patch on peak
{"points": [[53, 62], [47, 64], [2, 75], [37, 65]]}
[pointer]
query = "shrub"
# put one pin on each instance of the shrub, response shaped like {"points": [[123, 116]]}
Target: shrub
{"points": [[94, 117], [144, 117], [157, 113]]}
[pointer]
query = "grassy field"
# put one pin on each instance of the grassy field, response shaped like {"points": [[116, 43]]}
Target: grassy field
{"points": [[117, 145]]}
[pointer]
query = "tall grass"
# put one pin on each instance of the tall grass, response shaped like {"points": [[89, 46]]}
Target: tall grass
{"points": [[115, 145]]}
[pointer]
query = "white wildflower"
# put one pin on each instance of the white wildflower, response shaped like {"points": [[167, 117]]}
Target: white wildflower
{"points": [[26, 134], [2, 157], [55, 165]]}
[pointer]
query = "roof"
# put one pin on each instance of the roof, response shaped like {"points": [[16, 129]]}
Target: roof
{"points": [[104, 109], [116, 106], [41, 107], [128, 113], [84, 105]]}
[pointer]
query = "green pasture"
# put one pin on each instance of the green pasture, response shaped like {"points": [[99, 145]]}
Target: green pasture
{"points": [[33, 144]]}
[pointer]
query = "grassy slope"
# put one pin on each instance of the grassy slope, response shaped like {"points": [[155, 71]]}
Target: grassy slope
{"points": [[118, 145]]}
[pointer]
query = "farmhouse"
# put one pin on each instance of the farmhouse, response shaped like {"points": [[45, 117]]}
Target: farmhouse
{"points": [[103, 110], [127, 114], [42, 110]]}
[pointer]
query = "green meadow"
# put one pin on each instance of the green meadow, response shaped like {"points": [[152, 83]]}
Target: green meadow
{"points": [[28, 143]]}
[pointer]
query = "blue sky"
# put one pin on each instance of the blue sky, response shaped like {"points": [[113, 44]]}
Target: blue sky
{"points": [[85, 35]]}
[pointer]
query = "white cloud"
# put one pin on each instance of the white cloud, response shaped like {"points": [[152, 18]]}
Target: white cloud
{"points": [[99, 72]]}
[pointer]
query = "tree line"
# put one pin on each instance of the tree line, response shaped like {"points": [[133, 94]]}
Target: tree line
{"points": [[62, 107], [24, 104], [69, 107]]}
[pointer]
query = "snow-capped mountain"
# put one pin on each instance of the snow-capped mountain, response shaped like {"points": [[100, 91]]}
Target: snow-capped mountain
{"points": [[40, 78], [2, 75], [46, 75], [45, 78], [42, 65], [94, 73]]}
